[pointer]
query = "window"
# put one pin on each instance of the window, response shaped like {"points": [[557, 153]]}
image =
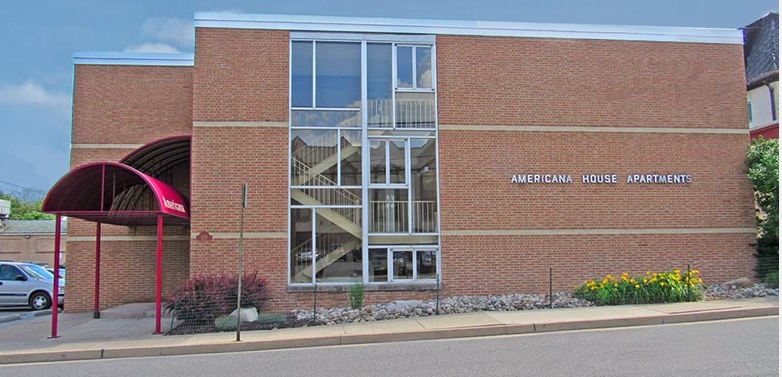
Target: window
{"points": [[363, 166]]}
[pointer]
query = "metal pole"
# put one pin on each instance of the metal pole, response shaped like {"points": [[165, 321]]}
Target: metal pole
{"points": [[159, 273], [689, 280], [315, 301], [56, 287], [437, 296], [241, 266], [96, 296], [550, 288]]}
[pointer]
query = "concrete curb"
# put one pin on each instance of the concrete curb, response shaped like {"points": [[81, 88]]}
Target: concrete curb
{"points": [[222, 346]]}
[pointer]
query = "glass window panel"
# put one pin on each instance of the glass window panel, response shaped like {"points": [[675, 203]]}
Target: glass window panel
{"points": [[415, 110], [325, 118], [423, 63], [314, 157], [426, 264], [337, 247], [326, 197], [404, 67], [379, 85], [377, 161], [338, 74], [397, 163], [378, 265], [301, 245], [301, 74], [350, 157], [423, 181], [388, 211], [403, 265]]}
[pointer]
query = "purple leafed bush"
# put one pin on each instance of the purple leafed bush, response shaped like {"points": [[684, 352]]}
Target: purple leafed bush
{"points": [[203, 298]]}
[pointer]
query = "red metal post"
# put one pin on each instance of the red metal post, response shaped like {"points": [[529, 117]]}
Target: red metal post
{"points": [[56, 287], [96, 303], [159, 288]]}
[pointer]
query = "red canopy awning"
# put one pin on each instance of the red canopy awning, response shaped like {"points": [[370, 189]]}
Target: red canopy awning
{"points": [[115, 193]]}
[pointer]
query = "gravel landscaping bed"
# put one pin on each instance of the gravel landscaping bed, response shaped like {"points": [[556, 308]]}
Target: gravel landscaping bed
{"points": [[453, 305]]}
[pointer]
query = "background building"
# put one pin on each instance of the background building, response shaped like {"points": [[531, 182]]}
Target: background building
{"points": [[761, 59], [411, 154], [30, 241]]}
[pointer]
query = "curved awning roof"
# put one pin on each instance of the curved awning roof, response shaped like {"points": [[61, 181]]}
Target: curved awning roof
{"points": [[115, 193], [160, 155]]}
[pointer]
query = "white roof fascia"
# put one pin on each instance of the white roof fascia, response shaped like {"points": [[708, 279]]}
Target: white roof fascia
{"points": [[472, 28], [134, 58]]}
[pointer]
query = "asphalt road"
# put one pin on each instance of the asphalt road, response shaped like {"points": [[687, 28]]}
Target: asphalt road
{"points": [[747, 347]]}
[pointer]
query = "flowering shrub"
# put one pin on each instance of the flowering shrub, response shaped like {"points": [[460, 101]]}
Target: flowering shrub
{"points": [[669, 286], [202, 299]]}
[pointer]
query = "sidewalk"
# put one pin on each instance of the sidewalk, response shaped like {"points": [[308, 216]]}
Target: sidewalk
{"points": [[126, 331]]}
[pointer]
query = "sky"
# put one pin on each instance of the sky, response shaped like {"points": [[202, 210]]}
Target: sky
{"points": [[39, 39]]}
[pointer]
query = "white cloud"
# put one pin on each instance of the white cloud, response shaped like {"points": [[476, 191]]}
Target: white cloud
{"points": [[30, 93], [171, 30], [152, 47]]}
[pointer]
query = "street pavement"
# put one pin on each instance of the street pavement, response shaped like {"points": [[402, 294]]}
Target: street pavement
{"points": [[127, 330]]}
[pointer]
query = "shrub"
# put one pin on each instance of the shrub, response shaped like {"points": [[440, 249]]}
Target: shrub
{"points": [[669, 286], [771, 279], [202, 299], [356, 295]]}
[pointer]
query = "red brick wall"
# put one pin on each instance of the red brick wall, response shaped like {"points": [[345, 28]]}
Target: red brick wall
{"points": [[241, 75], [485, 82], [115, 104], [568, 82]]}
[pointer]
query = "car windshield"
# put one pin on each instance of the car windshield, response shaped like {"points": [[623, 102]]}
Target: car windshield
{"points": [[36, 271]]}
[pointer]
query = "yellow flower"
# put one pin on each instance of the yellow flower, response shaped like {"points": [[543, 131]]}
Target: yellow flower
{"points": [[637, 286]]}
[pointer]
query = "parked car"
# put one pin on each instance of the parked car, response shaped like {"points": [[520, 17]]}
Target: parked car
{"points": [[27, 284]]}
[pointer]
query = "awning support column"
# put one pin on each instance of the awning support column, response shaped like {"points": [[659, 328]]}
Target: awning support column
{"points": [[159, 285], [96, 302], [56, 287]]}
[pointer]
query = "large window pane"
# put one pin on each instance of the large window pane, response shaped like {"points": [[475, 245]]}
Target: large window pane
{"points": [[379, 85], [377, 161], [301, 74], [314, 157], [426, 261], [338, 74], [423, 62], [415, 110], [301, 245], [423, 181], [404, 67], [378, 265], [403, 265], [388, 211], [350, 157], [397, 162], [325, 118], [338, 247]]}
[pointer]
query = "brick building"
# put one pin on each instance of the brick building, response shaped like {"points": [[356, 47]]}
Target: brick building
{"points": [[407, 153]]}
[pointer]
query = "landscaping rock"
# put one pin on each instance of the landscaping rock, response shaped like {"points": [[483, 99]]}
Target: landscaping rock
{"points": [[247, 314]]}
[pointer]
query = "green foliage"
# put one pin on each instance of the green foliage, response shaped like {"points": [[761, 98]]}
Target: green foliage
{"points": [[356, 295], [669, 286], [763, 161], [771, 279], [202, 299], [25, 210]]}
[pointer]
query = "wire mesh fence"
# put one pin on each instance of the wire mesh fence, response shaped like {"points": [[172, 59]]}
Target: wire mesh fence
{"points": [[210, 303]]}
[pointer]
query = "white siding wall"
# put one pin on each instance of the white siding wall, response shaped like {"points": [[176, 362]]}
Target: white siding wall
{"points": [[761, 105]]}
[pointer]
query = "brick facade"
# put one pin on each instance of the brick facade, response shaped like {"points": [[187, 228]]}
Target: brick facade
{"points": [[506, 105]]}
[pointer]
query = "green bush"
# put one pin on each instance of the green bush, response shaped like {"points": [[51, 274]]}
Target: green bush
{"points": [[669, 286], [356, 295], [771, 279]]}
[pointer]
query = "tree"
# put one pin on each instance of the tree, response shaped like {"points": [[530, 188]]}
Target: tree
{"points": [[25, 210], [763, 159]]}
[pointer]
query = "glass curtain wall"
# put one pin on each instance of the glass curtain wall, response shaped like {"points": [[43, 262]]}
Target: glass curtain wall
{"points": [[363, 165]]}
